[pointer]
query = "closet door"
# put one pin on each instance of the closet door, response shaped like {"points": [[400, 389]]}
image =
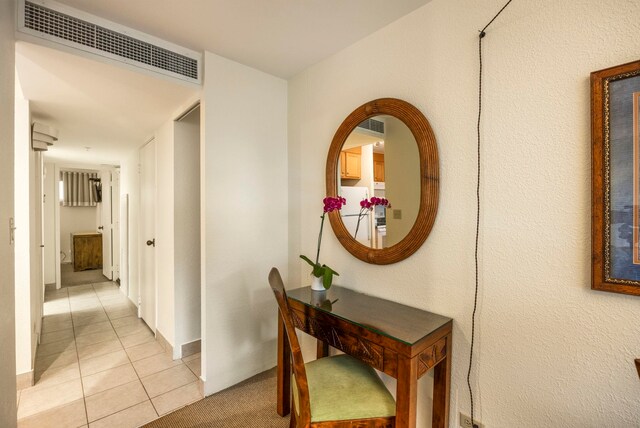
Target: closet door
{"points": [[105, 225], [147, 298]]}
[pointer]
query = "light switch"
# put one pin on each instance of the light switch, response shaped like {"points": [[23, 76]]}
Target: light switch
{"points": [[397, 214]]}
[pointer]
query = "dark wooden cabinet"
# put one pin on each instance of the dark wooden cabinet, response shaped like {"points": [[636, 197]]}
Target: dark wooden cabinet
{"points": [[87, 251]]}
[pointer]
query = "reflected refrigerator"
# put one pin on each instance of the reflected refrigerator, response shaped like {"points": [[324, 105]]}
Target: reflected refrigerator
{"points": [[351, 209]]}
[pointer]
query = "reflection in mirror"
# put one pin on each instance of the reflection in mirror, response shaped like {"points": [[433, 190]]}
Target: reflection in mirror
{"points": [[344, 172], [379, 158]]}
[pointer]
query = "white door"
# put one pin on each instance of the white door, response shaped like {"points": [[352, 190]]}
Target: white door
{"points": [[39, 204], [147, 299], [115, 224], [123, 273], [106, 223]]}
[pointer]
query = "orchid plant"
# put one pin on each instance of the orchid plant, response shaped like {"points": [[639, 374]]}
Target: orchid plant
{"points": [[368, 205], [324, 271]]}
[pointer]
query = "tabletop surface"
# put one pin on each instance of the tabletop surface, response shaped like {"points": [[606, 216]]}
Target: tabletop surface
{"points": [[399, 322]]}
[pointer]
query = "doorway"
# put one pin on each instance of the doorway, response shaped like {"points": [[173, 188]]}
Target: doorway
{"points": [[81, 236]]}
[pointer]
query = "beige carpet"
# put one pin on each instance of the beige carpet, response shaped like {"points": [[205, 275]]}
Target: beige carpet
{"points": [[70, 278], [251, 403]]}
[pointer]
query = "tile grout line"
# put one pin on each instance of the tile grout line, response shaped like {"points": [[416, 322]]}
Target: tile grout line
{"points": [[160, 371], [121, 344], [73, 326], [79, 373], [126, 408], [135, 371], [121, 410], [139, 379], [70, 311], [84, 397]]}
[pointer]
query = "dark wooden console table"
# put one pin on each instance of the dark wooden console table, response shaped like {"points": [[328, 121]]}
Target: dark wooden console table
{"points": [[399, 340]]}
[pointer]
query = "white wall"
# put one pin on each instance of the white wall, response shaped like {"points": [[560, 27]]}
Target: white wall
{"points": [[50, 223], [23, 234], [550, 351], [165, 276], [36, 294], [187, 228], [7, 268], [75, 220], [29, 285], [244, 208]]}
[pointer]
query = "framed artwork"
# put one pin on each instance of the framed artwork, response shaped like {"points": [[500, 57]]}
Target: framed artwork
{"points": [[615, 210]]}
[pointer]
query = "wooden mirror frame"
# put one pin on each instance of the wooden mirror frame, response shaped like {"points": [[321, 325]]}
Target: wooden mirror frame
{"points": [[429, 179]]}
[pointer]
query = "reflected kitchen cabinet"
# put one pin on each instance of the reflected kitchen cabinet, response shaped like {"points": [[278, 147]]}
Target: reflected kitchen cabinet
{"points": [[350, 163], [378, 167]]}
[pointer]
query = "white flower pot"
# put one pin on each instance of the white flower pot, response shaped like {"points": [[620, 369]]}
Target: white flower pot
{"points": [[316, 283]]}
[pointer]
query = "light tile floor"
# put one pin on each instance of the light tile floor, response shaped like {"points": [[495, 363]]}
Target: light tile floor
{"points": [[99, 365]]}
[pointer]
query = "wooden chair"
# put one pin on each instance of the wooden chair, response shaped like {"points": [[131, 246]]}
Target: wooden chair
{"points": [[336, 392]]}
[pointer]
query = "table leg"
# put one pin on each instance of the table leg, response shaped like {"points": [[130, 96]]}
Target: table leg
{"points": [[284, 370], [441, 388], [322, 349], [407, 392]]}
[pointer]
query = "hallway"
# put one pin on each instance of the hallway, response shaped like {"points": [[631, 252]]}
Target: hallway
{"points": [[99, 364]]}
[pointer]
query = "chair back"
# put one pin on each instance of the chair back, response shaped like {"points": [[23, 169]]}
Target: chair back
{"points": [[275, 281]]}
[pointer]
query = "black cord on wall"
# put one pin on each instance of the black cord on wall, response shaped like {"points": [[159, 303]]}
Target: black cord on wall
{"points": [[479, 169]]}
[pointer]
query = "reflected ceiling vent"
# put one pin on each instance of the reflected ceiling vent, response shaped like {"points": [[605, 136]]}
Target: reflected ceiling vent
{"points": [[70, 27], [372, 125], [42, 136]]}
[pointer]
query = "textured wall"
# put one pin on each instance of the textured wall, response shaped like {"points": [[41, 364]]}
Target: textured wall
{"points": [[186, 229], [23, 205], [244, 224], [550, 352], [7, 286], [164, 229]]}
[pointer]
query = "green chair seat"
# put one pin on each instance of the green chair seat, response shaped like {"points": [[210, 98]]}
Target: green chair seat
{"points": [[343, 388]]}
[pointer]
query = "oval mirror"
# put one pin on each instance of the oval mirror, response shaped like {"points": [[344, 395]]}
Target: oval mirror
{"points": [[386, 150]]}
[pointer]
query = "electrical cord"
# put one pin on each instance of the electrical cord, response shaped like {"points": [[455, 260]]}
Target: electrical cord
{"points": [[479, 169]]}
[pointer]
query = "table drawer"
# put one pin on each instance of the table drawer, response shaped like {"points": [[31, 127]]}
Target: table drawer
{"points": [[330, 333], [432, 356]]}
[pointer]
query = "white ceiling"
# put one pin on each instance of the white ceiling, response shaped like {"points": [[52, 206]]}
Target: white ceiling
{"points": [[93, 104], [280, 37], [113, 109]]}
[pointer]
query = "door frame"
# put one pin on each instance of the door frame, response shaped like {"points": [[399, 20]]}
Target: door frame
{"points": [[59, 166]]}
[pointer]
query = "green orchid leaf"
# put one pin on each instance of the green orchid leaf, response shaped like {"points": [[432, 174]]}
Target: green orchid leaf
{"points": [[318, 271], [333, 271], [327, 277], [308, 260]]}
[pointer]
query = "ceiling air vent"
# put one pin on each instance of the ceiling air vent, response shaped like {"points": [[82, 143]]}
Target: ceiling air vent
{"points": [[67, 26], [372, 125]]}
